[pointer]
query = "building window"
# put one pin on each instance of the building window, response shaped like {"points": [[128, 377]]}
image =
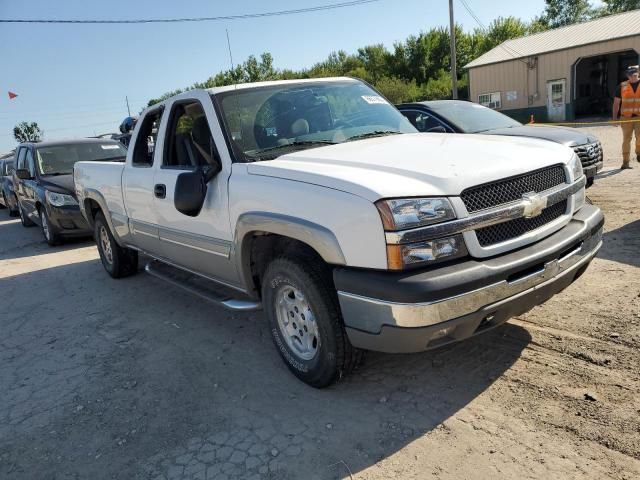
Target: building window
{"points": [[491, 100]]}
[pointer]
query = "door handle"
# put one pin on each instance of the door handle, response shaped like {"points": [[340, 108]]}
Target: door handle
{"points": [[160, 190]]}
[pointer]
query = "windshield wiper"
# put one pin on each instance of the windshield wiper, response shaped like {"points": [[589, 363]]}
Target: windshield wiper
{"points": [[305, 143], [376, 133]]}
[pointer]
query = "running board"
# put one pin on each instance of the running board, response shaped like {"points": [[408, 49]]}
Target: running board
{"points": [[199, 286]]}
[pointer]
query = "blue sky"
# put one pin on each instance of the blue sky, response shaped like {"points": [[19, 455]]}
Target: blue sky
{"points": [[72, 79]]}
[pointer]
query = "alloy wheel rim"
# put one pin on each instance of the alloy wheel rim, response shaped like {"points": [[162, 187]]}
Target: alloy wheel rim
{"points": [[105, 243], [297, 322]]}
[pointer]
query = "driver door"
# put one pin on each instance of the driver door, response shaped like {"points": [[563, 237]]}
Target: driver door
{"points": [[202, 243]]}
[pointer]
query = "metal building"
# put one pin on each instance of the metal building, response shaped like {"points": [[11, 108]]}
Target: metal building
{"points": [[560, 74]]}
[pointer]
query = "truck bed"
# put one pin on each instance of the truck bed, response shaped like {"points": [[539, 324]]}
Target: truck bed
{"points": [[103, 178]]}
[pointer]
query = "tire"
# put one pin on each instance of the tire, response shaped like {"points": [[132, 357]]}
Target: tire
{"points": [[314, 347], [24, 219], [14, 213], [50, 235], [117, 261], [590, 182]]}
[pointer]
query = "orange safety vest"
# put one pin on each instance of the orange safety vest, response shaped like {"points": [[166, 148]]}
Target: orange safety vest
{"points": [[630, 100]]}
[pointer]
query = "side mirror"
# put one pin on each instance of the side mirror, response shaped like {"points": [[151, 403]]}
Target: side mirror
{"points": [[23, 174], [190, 192], [438, 129]]}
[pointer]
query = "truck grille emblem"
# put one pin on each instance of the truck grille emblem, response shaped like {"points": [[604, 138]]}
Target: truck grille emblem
{"points": [[534, 204]]}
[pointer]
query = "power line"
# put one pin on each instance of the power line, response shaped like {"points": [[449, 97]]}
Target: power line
{"points": [[511, 51], [245, 16]]}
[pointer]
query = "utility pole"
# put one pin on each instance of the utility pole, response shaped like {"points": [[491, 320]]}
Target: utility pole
{"points": [[128, 110], [452, 34]]}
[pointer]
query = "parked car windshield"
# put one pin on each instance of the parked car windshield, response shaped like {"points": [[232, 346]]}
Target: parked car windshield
{"points": [[471, 117], [265, 122], [59, 159]]}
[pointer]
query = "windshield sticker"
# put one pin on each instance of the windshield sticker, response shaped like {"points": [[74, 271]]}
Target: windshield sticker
{"points": [[110, 147], [374, 99]]}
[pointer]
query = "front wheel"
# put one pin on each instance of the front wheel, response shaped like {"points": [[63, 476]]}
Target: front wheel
{"points": [[117, 261], [305, 321], [50, 235]]}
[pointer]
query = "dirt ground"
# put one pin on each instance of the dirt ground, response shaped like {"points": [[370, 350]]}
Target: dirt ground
{"points": [[129, 379]]}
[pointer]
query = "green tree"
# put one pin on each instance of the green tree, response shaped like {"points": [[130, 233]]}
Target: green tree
{"points": [[559, 13], [617, 6], [27, 132], [502, 29], [397, 90]]}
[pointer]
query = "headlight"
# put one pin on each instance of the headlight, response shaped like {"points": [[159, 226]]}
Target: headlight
{"points": [[400, 257], [59, 199], [575, 165], [406, 213]]}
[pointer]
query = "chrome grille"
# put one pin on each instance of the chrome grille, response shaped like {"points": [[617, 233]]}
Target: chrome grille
{"points": [[515, 228], [511, 189], [589, 154]]}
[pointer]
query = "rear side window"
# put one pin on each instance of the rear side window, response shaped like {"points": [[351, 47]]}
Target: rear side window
{"points": [[422, 121], [188, 143], [9, 167], [146, 140], [30, 163], [20, 157]]}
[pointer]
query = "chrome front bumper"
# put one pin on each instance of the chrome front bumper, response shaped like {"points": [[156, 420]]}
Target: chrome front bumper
{"points": [[391, 326]]}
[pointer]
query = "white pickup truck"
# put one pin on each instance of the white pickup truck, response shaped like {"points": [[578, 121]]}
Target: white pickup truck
{"points": [[317, 201]]}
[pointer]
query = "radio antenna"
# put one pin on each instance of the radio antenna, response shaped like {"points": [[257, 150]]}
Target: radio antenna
{"points": [[235, 87], [230, 55]]}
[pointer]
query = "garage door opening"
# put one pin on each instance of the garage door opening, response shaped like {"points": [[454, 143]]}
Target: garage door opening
{"points": [[595, 81]]}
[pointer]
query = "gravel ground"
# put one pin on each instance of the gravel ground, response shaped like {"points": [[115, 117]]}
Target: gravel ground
{"points": [[129, 379]]}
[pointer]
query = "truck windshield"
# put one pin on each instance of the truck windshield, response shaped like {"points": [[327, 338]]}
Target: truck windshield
{"points": [[59, 159], [265, 122]]}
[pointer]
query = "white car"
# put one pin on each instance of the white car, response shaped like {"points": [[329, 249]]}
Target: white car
{"points": [[319, 202]]}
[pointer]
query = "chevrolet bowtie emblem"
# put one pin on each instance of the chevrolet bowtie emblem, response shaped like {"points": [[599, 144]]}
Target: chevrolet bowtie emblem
{"points": [[534, 204]]}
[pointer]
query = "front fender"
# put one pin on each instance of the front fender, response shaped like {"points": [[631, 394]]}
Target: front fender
{"points": [[321, 239]]}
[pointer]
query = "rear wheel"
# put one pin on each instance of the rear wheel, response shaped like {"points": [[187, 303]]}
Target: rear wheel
{"points": [[305, 321], [50, 235], [117, 261], [23, 218]]}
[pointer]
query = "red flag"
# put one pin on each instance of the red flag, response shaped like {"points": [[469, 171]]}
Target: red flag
{"points": [[12, 95]]}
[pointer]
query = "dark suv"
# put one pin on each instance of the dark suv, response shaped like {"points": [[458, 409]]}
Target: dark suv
{"points": [[7, 196], [44, 186]]}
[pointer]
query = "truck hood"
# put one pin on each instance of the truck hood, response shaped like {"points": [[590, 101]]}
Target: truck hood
{"points": [[411, 165], [570, 137]]}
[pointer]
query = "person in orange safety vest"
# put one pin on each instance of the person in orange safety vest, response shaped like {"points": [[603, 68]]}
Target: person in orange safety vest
{"points": [[626, 105]]}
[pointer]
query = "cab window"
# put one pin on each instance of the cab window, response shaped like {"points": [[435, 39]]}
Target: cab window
{"points": [[146, 141]]}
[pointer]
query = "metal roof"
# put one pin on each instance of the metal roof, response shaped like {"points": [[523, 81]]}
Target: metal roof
{"points": [[602, 29]]}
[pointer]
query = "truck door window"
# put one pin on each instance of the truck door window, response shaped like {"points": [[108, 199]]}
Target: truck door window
{"points": [[188, 142], [30, 163], [146, 140]]}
